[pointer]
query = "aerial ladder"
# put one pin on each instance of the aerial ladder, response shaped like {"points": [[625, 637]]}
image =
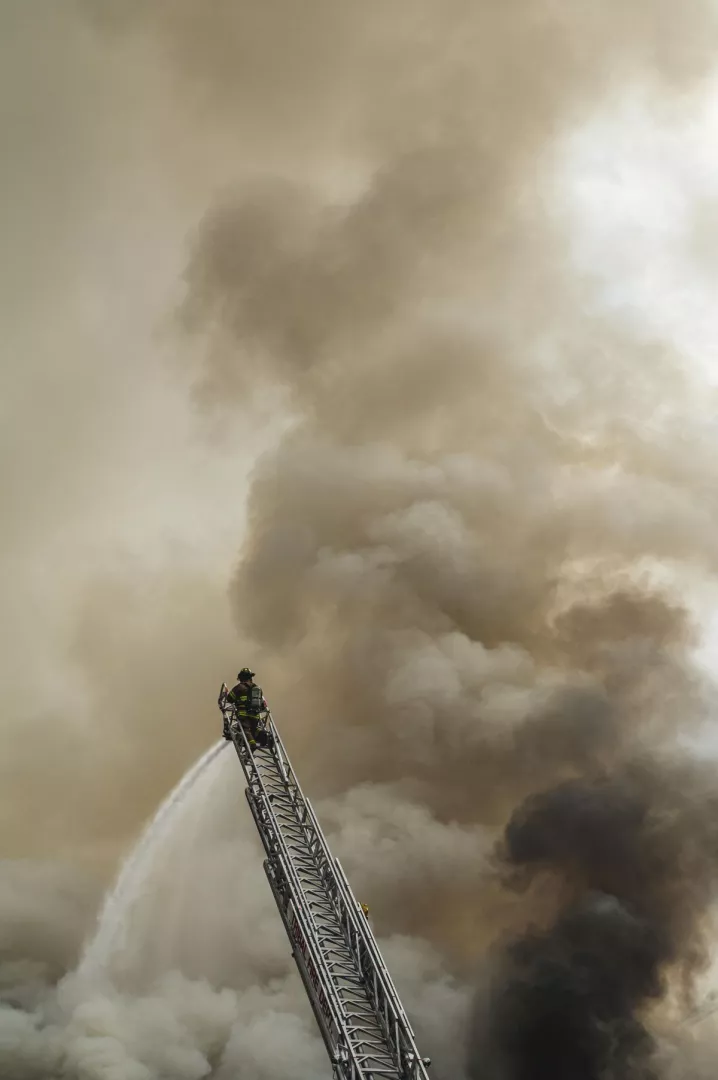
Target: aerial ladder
{"points": [[361, 1019]]}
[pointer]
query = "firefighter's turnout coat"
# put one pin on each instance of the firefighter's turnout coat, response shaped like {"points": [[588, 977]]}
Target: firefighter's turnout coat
{"points": [[249, 699]]}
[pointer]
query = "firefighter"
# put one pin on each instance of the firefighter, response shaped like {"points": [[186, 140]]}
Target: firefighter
{"points": [[249, 701]]}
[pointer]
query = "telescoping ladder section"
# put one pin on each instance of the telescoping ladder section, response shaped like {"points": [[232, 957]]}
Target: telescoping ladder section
{"points": [[360, 1016]]}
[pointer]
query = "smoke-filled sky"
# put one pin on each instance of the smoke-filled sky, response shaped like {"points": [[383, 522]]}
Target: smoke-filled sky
{"points": [[373, 346]]}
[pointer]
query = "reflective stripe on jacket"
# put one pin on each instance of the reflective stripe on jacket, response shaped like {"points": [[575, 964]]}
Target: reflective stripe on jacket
{"points": [[248, 699]]}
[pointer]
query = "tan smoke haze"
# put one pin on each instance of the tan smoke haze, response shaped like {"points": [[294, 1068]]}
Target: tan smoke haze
{"points": [[338, 343]]}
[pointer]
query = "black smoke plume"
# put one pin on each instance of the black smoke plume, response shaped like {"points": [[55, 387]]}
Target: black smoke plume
{"points": [[634, 857]]}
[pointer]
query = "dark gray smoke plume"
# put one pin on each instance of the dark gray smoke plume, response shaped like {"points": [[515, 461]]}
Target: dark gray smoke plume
{"points": [[481, 506], [636, 859]]}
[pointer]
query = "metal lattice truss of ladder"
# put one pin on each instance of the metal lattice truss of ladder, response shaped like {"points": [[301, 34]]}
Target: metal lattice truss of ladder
{"points": [[357, 1008]]}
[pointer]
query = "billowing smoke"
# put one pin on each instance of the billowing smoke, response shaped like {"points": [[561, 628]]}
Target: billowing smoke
{"points": [[470, 553], [634, 862], [451, 569]]}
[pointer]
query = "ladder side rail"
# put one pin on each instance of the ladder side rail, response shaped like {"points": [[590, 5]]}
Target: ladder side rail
{"points": [[281, 899], [323, 873], [342, 1055], [343, 892], [369, 964], [345, 1062], [396, 1022], [301, 930], [326, 893], [370, 943], [271, 834], [379, 984], [285, 898]]}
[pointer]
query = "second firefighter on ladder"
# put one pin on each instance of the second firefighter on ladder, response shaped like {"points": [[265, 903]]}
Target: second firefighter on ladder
{"points": [[249, 704]]}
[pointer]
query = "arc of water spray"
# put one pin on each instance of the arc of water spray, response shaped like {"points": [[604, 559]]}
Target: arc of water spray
{"points": [[112, 924]]}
